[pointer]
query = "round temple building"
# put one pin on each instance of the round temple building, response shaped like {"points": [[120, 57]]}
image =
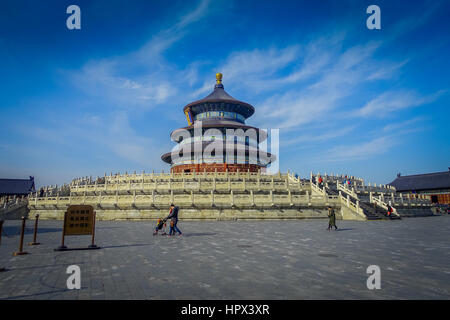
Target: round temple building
{"points": [[217, 138]]}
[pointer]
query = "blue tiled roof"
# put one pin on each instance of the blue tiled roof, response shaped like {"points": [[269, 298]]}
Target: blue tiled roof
{"points": [[219, 93], [220, 100], [428, 181], [16, 186]]}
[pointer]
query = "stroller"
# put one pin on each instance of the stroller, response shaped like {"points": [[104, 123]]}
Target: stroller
{"points": [[160, 225]]}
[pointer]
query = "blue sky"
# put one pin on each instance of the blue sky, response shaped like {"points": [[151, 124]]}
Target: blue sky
{"points": [[370, 103]]}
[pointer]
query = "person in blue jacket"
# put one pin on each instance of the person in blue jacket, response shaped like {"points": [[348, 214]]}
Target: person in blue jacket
{"points": [[174, 217]]}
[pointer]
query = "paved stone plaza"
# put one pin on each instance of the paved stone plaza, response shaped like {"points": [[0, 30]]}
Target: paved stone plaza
{"points": [[297, 259]]}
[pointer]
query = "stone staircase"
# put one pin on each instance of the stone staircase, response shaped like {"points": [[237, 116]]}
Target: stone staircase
{"points": [[14, 211], [373, 200], [375, 212], [371, 212]]}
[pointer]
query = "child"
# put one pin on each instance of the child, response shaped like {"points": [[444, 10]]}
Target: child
{"points": [[160, 225]]}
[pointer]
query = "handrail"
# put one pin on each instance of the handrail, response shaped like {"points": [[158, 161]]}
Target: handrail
{"points": [[343, 188], [382, 204], [316, 188], [352, 206]]}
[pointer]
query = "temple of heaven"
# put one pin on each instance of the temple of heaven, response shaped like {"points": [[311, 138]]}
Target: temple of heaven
{"points": [[217, 138]]}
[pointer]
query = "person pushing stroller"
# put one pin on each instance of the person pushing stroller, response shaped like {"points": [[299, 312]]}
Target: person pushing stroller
{"points": [[173, 215]]}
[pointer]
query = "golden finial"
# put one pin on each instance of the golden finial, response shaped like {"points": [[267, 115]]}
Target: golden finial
{"points": [[218, 78]]}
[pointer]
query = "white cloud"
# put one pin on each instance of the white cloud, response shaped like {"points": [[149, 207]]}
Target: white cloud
{"points": [[325, 80], [387, 71], [253, 69], [388, 102], [327, 135], [361, 151], [400, 125], [142, 78]]}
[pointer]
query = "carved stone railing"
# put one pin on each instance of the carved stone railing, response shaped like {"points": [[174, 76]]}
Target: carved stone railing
{"points": [[192, 185], [179, 181], [379, 202], [401, 200], [12, 203], [230, 200], [352, 205], [346, 190]]}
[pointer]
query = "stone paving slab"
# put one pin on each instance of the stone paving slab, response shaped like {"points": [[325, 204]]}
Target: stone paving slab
{"points": [[234, 260]]}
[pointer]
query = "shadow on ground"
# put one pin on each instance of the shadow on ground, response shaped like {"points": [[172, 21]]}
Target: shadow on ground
{"points": [[10, 231]]}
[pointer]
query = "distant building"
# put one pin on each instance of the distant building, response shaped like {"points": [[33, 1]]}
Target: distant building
{"points": [[16, 187], [222, 141], [435, 185]]}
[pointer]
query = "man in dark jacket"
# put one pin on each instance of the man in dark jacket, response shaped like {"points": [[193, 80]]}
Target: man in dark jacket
{"points": [[174, 217]]}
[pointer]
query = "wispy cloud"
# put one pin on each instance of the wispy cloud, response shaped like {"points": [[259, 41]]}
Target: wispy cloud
{"points": [[142, 78], [373, 143], [123, 140], [388, 102], [112, 131], [359, 151], [255, 69], [331, 77], [403, 124], [328, 135]]}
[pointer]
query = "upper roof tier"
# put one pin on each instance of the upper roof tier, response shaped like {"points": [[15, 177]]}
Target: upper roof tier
{"points": [[220, 100]]}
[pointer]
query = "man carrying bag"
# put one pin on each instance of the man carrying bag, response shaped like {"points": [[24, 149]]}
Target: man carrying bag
{"points": [[174, 217]]}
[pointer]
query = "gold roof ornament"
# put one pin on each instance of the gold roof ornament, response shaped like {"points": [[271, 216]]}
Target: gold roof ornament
{"points": [[218, 78]]}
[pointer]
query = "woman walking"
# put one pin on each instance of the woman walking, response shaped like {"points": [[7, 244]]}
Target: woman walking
{"points": [[332, 219]]}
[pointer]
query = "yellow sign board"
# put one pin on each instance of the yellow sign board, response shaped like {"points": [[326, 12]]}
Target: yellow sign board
{"points": [[79, 220]]}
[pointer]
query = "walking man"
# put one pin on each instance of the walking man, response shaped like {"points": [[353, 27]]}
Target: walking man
{"points": [[174, 218], [332, 217]]}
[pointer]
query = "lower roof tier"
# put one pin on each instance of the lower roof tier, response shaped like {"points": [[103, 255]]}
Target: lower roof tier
{"points": [[225, 127], [218, 152], [216, 167]]}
